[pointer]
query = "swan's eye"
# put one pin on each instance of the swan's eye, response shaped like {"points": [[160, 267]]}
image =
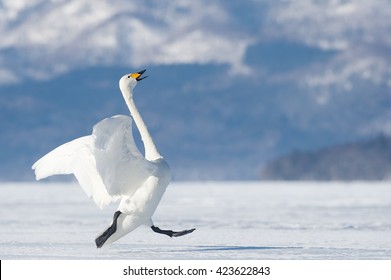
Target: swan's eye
{"points": [[128, 76]]}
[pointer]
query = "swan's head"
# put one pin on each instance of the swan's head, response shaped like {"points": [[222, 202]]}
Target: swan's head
{"points": [[129, 81]]}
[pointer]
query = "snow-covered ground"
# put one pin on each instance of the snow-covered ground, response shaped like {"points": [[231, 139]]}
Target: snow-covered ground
{"points": [[242, 220]]}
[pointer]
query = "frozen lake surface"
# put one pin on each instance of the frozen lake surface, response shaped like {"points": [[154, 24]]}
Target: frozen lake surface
{"points": [[242, 220]]}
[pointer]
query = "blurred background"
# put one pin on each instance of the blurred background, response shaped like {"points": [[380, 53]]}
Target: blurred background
{"points": [[237, 90]]}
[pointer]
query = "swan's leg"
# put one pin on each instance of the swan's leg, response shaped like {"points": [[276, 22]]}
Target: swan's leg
{"points": [[100, 240], [171, 233]]}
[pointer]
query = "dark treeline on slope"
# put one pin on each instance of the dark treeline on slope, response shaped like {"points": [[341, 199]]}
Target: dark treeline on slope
{"points": [[366, 160]]}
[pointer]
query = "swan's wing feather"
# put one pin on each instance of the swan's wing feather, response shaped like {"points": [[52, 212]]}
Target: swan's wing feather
{"points": [[76, 157], [120, 164], [107, 163], [59, 160]]}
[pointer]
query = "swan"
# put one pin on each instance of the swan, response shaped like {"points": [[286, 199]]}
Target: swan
{"points": [[109, 167]]}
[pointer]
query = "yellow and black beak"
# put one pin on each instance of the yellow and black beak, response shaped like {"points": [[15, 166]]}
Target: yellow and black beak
{"points": [[137, 75]]}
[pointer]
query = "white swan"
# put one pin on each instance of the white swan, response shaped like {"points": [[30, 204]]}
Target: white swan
{"points": [[109, 167]]}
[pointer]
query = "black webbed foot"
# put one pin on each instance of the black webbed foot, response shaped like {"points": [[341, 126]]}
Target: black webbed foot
{"points": [[100, 240], [183, 232], [171, 233]]}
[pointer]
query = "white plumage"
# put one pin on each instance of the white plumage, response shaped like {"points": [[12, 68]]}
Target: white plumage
{"points": [[109, 167], [107, 163]]}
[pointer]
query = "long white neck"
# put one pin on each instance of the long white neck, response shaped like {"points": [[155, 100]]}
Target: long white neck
{"points": [[151, 152]]}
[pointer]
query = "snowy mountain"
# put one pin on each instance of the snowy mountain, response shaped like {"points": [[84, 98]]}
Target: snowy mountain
{"points": [[43, 39], [231, 84]]}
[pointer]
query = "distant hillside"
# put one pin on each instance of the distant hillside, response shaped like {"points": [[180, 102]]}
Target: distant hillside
{"points": [[369, 160]]}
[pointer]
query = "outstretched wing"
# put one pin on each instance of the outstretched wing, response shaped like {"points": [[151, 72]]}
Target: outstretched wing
{"points": [[107, 163], [122, 167], [76, 157]]}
